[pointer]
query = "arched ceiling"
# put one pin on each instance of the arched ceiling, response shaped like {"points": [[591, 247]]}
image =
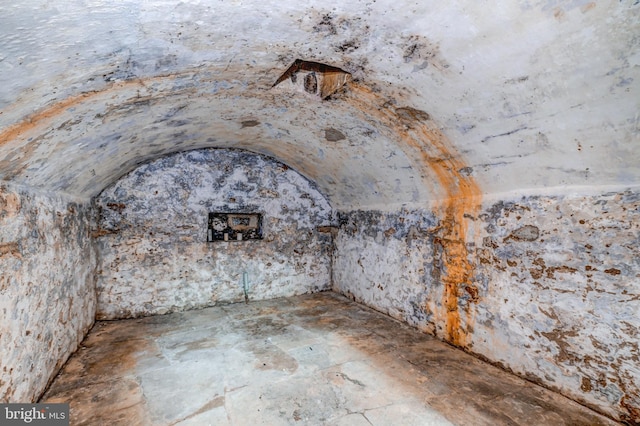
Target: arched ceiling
{"points": [[448, 99]]}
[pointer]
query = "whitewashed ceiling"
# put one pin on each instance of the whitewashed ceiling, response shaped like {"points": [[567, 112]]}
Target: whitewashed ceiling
{"points": [[510, 96]]}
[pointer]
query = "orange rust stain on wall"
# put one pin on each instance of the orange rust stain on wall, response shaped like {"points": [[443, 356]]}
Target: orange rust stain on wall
{"points": [[16, 136], [462, 196], [14, 131], [47, 114], [11, 249], [10, 205], [42, 121]]}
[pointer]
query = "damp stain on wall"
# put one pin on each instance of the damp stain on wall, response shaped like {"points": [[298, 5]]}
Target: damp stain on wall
{"points": [[39, 118], [557, 278], [80, 145], [459, 202], [549, 262]]}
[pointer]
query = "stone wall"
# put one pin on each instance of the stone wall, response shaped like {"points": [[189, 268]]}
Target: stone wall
{"points": [[154, 257], [554, 294], [47, 288]]}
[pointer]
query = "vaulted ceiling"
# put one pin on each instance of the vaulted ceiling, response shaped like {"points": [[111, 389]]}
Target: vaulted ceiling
{"points": [[446, 99]]}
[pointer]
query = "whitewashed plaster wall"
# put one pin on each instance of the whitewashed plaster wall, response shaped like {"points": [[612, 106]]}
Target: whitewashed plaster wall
{"points": [[47, 287], [153, 253], [455, 100], [553, 292]]}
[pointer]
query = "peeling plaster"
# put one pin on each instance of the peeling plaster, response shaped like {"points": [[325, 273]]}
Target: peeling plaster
{"points": [[452, 109], [152, 236], [560, 309], [47, 288], [577, 323], [85, 122]]}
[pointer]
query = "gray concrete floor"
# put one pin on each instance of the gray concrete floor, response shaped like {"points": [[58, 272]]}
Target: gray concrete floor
{"points": [[315, 360]]}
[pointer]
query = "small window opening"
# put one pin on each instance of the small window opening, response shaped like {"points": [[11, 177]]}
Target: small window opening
{"points": [[234, 227]]}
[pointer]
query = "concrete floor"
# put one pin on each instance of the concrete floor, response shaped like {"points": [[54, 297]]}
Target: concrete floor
{"points": [[316, 359]]}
